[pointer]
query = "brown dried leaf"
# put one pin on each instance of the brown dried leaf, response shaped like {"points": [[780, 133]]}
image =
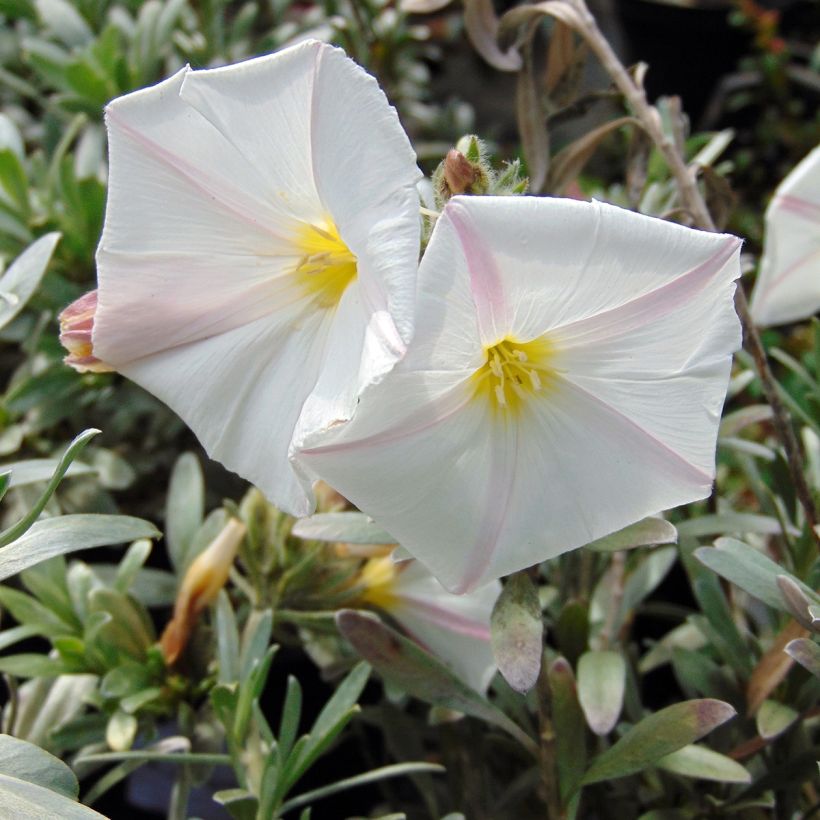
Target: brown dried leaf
{"points": [[482, 29], [570, 161], [772, 667], [513, 21]]}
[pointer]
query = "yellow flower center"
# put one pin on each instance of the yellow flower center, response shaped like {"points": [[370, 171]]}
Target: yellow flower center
{"points": [[378, 577], [326, 267], [513, 371]]}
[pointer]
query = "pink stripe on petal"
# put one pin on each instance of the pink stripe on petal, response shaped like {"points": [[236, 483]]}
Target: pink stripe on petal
{"points": [[485, 278], [650, 306], [795, 205], [440, 616]]}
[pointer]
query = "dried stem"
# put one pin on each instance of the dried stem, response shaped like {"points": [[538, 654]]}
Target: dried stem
{"points": [[694, 203]]}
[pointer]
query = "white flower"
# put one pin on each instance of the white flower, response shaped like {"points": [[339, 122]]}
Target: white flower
{"points": [[566, 379], [260, 249], [456, 628], [788, 283]]}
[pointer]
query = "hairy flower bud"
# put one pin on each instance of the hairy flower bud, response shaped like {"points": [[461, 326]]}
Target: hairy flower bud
{"points": [[76, 328], [459, 174], [200, 586]]}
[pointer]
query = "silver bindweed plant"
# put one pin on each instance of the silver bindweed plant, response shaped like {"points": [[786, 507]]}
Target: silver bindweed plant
{"points": [[529, 533]]}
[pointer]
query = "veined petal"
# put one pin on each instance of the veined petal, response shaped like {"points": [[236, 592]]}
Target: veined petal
{"points": [[576, 420], [241, 392], [565, 260], [234, 277], [788, 283], [454, 627]]}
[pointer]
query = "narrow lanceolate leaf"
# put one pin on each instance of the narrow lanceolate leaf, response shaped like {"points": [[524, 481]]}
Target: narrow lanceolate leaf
{"points": [[658, 735], [40, 469], [21, 280], [774, 718], [517, 632], [807, 653], [24, 760], [408, 667], [68, 533], [348, 527], [601, 685], [72, 451], [649, 531], [705, 764], [568, 722], [185, 508], [749, 569], [796, 601]]}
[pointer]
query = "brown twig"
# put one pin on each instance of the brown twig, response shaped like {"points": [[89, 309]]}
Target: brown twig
{"points": [[694, 203]]}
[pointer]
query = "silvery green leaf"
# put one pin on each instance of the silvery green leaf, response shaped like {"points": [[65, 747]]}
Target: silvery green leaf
{"points": [[184, 509], [349, 527], [601, 686], [517, 632], [40, 469], [705, 764], [658, 735], [23, 277], [807, 653], [68, 533], [643, 533], [732, 522], [24, 760], [749, 569], [28, 801], [773, 718]]}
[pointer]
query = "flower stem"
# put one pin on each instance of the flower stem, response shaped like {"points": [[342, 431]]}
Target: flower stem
{"points": [[546, 738], [695, 205]]}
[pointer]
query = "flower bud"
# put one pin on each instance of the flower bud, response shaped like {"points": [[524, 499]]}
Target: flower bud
{"points": [[459, 174], [200, 586], [76, 329]]}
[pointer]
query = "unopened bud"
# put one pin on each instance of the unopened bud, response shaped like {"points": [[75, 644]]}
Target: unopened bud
{"points": [[459, 174], [200, 586], [76, 329]]}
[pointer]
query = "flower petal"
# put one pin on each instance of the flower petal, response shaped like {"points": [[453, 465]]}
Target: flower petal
{"points": [[623, 424], [788, 283], [454, 627]]}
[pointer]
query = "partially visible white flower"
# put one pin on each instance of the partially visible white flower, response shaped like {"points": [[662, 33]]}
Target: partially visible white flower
{"points": [[456, 628], [788, 282], [257, 265], [566, 379]]}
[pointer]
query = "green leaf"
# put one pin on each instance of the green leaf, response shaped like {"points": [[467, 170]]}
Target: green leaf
{"points": [[185, 508], [373, 776], [656, 736], [347, 527], [646, 578], [572, 630], [25, 761], [70, 454], [405, 665], [131, 564], [570, 732], [291, 715], [601, 686], [517, 632], [68, 533], [14, 196], [733, 522], [807, 653], [643, 534], [227, 640], [749, 569], [31, 665], [28, 801], [774, 718], [23, 277], [704, 764], [65, 21], [41, 469], [28, 611]]}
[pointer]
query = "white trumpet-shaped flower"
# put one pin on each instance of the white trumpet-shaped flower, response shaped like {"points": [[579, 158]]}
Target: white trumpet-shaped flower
{"points": [[566, 379], [788, 283], [257, 265], [456, 628]]}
